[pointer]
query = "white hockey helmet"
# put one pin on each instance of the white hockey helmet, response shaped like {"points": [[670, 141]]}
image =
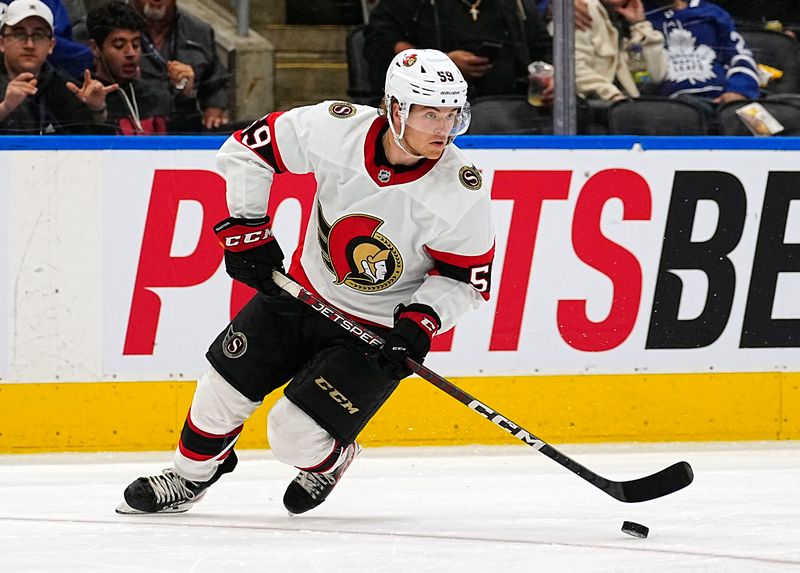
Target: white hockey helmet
{"points": [[429, 78]]}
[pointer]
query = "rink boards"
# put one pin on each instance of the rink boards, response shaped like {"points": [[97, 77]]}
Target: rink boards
{"points": [[642, 291]]}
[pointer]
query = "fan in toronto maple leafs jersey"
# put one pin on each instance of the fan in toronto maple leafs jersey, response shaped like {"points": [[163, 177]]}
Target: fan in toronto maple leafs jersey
{"points": [[707, 57]]}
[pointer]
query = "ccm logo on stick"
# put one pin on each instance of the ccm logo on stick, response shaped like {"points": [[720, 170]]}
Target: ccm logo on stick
{"points": [[506, 424]]}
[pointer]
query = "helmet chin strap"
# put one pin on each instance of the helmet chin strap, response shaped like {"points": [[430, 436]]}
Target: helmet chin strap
{"points": [[398, 138]]}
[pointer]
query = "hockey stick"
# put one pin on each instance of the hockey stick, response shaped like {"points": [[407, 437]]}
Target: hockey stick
{"points": [[664, 482]]}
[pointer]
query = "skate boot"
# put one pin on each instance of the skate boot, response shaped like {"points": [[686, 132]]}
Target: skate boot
{"points": [[309, 489], [169, 492]]}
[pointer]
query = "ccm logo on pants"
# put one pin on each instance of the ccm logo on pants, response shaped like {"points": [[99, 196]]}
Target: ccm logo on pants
{"points": [[336, 395]]}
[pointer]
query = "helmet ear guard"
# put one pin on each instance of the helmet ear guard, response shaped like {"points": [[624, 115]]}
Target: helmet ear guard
{"points": [[427, 78]]}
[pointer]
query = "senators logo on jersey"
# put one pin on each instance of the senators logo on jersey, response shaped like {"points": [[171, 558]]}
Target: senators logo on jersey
{"points": [[342, 110], [356, 254], [234, 344], [470, 178]]}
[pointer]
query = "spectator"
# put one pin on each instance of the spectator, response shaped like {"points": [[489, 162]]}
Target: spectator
{"points": [[583, 20], [69, 55], [115, 31], [180, 54], [37, 97], [492, 43], [601, 52], [708, 60]]}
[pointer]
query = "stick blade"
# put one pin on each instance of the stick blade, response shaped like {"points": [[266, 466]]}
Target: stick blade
{"points": [[659, 484]]}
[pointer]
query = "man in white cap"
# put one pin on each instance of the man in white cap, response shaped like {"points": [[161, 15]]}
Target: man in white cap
{"points": [[36, 97]]}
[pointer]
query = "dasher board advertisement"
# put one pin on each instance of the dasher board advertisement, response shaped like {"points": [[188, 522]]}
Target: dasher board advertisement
{"points": [[608, 261], [5, 271]]}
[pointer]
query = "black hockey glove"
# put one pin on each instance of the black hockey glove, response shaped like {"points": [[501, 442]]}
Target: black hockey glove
{"points": [[251, 252], [414, 328]]}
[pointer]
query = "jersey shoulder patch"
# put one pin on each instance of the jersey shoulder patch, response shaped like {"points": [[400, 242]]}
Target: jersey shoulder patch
{"points": [[342, 110], [470, 177]]}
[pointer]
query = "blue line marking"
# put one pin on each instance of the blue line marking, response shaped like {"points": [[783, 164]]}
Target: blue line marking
{"points": [[110, 142], [212, 142]]}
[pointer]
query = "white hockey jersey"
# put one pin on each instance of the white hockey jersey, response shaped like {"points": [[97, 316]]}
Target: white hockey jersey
{"points": [[378, 235]]}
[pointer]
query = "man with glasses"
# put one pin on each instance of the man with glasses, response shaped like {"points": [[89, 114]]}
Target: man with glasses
{"points": [[69, 54], [38, 98]]}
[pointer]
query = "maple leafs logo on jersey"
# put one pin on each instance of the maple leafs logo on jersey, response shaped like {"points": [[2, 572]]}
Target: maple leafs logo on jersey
{"points": [[687, 61], [342, 110], [356, 254]]}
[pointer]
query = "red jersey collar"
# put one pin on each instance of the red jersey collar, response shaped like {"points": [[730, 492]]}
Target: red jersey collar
{"points": [[386, 175]]}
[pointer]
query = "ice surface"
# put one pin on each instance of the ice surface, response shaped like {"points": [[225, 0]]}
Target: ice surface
{"points": [[500, 509]]}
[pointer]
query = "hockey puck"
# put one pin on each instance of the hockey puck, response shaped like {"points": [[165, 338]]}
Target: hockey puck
{"points": [[635, 529]]}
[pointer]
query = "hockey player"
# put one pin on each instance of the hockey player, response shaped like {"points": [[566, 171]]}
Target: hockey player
{"points": [[400, 239]]}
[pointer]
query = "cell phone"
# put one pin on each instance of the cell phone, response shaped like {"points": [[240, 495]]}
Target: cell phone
{"points": [[490, 50]]}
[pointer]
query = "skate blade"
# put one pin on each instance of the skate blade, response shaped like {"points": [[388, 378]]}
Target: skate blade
{"points": [[125, 509]]}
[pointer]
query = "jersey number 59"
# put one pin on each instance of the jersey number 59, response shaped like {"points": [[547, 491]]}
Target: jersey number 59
{"points": [[479, 277]]}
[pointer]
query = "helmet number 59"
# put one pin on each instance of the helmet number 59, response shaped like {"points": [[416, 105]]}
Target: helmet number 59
{"points": [[446, 76]]}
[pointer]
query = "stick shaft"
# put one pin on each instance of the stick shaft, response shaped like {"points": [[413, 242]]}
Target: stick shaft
{"points": [[656, 485]]}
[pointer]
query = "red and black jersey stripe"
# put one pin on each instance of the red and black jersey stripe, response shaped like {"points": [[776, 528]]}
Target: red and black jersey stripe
{"points": [[259, 137], [475, 270]]}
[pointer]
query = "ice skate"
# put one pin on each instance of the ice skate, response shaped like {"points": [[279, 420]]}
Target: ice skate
{"points": [[309, 489], [168, 492], [165, 493]]}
